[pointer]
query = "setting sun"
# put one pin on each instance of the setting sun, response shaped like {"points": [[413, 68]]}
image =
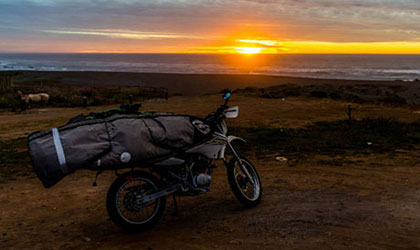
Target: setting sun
{"points": [[248, 50]]}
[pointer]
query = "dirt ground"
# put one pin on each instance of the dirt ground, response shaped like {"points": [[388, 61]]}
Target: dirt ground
{"points": [[371, 203]]}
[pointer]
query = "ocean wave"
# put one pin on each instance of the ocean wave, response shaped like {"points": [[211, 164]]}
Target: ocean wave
{"points": [[361, 67]]}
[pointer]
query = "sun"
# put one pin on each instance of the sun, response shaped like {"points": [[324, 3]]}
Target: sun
{"points": [[248, 50]]}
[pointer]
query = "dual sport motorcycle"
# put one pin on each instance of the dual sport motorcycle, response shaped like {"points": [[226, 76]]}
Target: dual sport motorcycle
{"points": [[136, 200]]}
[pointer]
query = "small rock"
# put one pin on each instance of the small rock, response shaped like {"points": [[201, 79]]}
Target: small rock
{"points": [[87, 239], [369, 143], [235, 241], [281, 159]]}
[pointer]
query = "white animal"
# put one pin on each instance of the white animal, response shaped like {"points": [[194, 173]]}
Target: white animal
{"points": [[35, 98]]}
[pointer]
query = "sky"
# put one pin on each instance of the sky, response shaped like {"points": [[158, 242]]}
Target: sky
{"points": [[210, 26]]}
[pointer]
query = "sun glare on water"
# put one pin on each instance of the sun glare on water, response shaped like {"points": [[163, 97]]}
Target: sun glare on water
{"points": [[248, 50]]}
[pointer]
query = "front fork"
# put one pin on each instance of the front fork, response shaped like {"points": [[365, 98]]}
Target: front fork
{"points": [[241, 165]]}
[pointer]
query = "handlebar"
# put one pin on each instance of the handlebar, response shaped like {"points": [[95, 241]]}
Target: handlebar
{"points": [[222, 108], [214, 117]]}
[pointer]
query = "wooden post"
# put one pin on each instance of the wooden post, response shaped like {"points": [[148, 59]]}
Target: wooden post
{"points": [[85, 101]]}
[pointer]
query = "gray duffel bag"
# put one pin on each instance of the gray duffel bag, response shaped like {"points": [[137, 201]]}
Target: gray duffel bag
{"points": [[115, 142]]}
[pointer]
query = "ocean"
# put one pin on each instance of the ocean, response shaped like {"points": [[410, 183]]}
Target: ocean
{"points": [[333, 66]]}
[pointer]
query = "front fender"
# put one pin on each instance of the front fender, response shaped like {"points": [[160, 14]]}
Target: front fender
{"points": [[232, 138]]}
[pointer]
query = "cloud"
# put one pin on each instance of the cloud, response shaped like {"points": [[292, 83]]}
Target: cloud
{"points": [[121, 34], [208, 20], [268, 43]]}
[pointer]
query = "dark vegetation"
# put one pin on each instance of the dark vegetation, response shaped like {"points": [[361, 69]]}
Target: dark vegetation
{"points": [[341, 137], [338, 138], [64, 95], [397, 93]]}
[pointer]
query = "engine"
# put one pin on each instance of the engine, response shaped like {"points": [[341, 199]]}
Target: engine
{"points": [[203, 180], [201, 171]]}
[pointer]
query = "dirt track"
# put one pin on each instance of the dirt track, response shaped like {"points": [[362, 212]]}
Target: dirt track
{"points": [[372, 207], [370, 204]]}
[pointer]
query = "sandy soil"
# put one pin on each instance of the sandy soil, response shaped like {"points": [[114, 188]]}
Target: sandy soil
{"points": [[372, 203]]}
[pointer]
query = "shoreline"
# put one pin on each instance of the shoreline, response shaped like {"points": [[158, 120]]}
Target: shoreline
{"points": [[186, 84]]}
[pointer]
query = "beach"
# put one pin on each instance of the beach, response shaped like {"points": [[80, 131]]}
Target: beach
{"points": [[185, 84]]}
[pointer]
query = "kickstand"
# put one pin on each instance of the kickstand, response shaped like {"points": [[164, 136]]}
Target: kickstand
{"points": [[96, 178], [175, 213]]}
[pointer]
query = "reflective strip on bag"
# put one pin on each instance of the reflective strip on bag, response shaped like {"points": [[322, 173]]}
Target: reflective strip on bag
{"points": [[59, 150]]}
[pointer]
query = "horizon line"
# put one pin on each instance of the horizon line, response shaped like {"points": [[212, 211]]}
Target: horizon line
{"points": [[195, 53]]}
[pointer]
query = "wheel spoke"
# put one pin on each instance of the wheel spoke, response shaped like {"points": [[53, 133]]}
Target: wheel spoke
{"points": [[128, 208], [248, 189]]}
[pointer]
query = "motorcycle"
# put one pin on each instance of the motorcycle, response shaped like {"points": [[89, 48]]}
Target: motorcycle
{"points": [[136, 200]]}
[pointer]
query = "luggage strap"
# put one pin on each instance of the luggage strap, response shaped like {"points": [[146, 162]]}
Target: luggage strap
{"points": [[59, 150]]}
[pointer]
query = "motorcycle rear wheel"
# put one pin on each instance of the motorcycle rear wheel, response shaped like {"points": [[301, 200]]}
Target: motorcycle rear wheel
{"points": [[246, 192], [122, 201]]}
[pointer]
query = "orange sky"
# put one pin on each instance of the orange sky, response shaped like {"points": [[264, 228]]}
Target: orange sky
{"points": [[239, 26]]}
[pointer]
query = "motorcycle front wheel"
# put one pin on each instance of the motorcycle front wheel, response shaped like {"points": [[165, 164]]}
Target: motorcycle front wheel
{"points": [[124, 204], [248, 192]]}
